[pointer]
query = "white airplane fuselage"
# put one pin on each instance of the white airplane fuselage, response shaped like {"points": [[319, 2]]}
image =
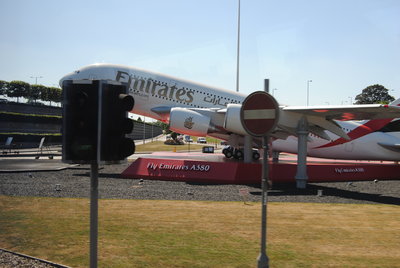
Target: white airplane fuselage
{"points": [[155, 94], [152, 89]]}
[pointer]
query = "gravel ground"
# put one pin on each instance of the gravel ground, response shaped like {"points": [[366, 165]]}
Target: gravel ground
{"points": [[75, 182], [8, 260]]}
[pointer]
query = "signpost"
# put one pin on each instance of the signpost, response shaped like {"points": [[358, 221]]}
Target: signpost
{"points": [[259, 116]]}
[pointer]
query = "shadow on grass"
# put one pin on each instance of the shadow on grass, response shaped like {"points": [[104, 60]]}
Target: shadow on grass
{"points": [[290, 189], [312, 190]]}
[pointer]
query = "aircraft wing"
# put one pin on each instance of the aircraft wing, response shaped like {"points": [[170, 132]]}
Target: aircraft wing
{"points": [[321, 118], [226, 121], [345, 113]]}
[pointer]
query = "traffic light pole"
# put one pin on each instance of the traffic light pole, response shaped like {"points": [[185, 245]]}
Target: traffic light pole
{"points": [[94, 196], [94, 129]]}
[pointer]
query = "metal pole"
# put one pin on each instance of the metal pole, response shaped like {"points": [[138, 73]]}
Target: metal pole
{"points": [[36, 78], [144, 129], [238, 50], [308, 90], [248, 149], [94, 195], [263, 260], [266, 85], [302, 134]]}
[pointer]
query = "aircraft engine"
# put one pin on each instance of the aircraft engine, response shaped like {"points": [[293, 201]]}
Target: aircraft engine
{"points": [[189, 122], [232, 121]]}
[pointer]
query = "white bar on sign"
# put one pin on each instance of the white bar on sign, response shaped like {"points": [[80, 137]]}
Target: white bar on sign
{"points": [[259, 114]]}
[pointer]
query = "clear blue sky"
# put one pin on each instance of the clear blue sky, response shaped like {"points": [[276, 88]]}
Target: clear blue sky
{"points": [[343, 46]]}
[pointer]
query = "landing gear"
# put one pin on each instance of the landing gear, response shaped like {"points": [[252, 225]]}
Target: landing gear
{"points": [[256, 155], [238, 154], [230, 152]]}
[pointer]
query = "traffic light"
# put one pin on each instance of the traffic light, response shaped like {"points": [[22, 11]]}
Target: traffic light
{"points": [[95, 122], [80, 121], [115, 124]]}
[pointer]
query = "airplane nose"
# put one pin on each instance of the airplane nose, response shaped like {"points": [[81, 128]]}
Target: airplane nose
{"points": [[66, 77]]}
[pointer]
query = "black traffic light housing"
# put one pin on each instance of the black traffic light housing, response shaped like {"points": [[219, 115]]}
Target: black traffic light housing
{"points": [[80, 121], [115, 124], [95, 121]]}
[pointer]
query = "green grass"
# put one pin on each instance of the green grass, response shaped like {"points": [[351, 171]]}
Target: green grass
{"points": [[159, 146], [30, 134], [143, 233], [31, 115], [210, 141]]}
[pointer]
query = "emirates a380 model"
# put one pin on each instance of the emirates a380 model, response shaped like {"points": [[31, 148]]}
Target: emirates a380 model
{"points": [[199, 110]]}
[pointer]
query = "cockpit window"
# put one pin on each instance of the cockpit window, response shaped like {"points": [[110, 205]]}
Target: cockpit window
{"points": [[77, 72], [393, 126]]}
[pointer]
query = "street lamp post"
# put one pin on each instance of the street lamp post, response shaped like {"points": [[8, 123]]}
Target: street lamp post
{"points": [[238, 49], [308, 91], [36, 78]]}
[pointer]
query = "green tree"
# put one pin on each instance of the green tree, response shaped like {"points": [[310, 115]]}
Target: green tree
{"points": [[35, 92], [3, 87], [58, 95], [166, 130], [18, 89], [54, 94], [374, 94], [174, 136], [44, 93], [163, 126]]}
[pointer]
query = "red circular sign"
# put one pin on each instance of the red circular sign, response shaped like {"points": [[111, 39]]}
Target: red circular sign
{"points": [[259, 114]]}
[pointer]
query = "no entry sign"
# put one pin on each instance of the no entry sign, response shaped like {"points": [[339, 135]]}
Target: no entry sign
{"points": [[259, 114]]}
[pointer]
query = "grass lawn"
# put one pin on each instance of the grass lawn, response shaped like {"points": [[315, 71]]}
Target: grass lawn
{"points": [[141, 233], [159, 146]]}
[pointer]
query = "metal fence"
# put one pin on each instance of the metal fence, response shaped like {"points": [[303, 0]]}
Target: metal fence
{"points": [[144, 131]]}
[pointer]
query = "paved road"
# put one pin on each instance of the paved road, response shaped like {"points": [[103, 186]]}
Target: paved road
{"points": [[27, 165]]}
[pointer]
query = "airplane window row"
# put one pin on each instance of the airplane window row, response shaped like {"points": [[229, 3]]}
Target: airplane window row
{"points": [[227, 99], [181, 102], [215, 96], [197, 91]]}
